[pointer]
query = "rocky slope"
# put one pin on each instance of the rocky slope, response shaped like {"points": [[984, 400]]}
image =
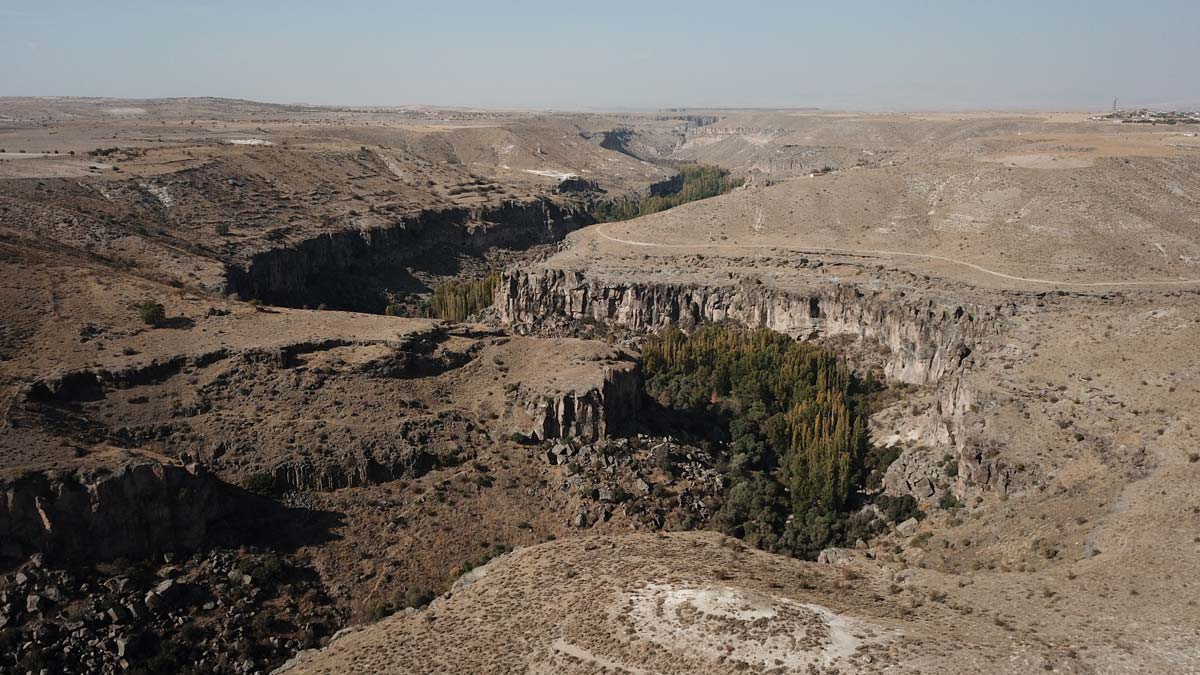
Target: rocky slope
{"points": [[445, 391]]}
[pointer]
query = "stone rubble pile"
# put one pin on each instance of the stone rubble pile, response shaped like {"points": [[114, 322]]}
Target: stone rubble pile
{"points": [[652, 482], [219, 612]]}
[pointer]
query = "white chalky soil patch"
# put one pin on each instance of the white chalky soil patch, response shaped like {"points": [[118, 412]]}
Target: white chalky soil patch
{"points": [[392, 165], [160, 193], [742, 625], [560, 175]]}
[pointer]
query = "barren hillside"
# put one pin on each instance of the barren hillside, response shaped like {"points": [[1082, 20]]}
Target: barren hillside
{"points": [[234, 423]]}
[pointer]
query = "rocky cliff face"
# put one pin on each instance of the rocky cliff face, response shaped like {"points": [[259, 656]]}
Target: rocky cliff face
{"points": [[296, 274], [131, 511], [922, 342], [589, 415]]}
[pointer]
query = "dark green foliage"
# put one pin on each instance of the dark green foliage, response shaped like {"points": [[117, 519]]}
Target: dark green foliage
{"points": [[496, 549], [899, 509], [260, 483], [948, 501], [696, 182], [152, 313], [192, 633], [418, 597], [455, 300], [268, 569], [794, 418], [878, 459]]}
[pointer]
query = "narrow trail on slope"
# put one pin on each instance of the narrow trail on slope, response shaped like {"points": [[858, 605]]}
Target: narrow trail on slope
{"points": [[926, 256]]}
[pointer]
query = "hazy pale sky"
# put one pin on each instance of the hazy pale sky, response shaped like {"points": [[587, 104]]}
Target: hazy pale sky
{"points": [[616, 54]]}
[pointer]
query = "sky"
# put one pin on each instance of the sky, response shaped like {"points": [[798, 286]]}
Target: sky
{"points": [[867, 55]]}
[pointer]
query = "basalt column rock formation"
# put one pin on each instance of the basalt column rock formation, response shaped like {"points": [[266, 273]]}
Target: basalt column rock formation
{"points": [[916, 340], [588, 413], [923, 342], [131, 511], [294, 274]]}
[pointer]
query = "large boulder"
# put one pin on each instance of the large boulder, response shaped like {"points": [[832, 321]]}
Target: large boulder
{"points": [[835, 556]]}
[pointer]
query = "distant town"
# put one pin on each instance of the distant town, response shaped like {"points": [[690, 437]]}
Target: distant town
{"points": [[1147, 116]]}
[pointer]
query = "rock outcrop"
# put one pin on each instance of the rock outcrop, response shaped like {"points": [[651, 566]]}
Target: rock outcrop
{"points": [[922, 342], [919, 340], [304, 272], [134, 510], [609, 409]]}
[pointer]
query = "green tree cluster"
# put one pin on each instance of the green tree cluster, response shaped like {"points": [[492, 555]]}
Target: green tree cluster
{"points": [[795, 419], [696, 182], [452, 300], [152, 312], [456, 300]]}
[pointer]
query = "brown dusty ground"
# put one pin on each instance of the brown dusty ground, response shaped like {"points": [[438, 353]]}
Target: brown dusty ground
{"points": [[1085, 232], [1086, 563]]}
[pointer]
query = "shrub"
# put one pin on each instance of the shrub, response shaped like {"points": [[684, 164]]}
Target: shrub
{"points": [[899, 509], [379, 611], [260, 483], [222, 229], [418, 597], [948, 501], [152, 313]]}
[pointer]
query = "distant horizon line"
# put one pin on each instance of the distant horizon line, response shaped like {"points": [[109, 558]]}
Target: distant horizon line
{"points": [[1016, 108]]}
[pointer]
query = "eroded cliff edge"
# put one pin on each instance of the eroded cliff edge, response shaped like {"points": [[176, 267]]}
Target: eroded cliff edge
{"points": [[915, 339], [133, 509], [316, 269]]}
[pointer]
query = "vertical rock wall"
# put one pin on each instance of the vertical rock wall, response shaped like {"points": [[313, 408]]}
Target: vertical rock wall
{"points": [[921, 341], [609, 409], [130, 511], [924, 342]]}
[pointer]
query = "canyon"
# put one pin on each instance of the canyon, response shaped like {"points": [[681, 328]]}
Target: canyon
{"points": [[415, 494]]}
